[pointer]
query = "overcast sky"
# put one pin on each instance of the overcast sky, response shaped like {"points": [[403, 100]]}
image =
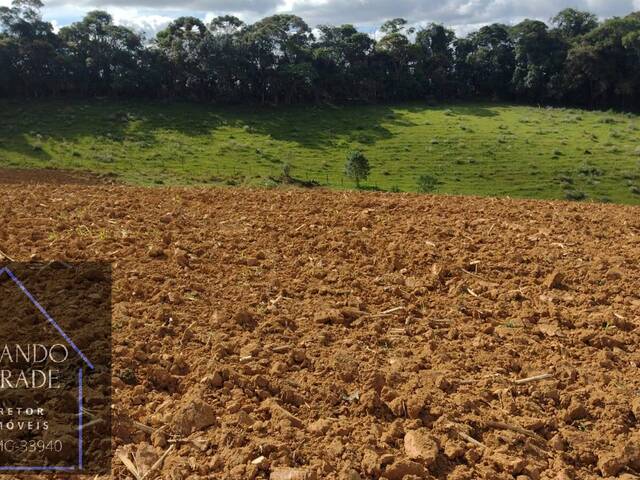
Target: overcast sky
{"points": [[367, 15]]}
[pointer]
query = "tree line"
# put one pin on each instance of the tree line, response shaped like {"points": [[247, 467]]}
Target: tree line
{"points": [[575, 60]]}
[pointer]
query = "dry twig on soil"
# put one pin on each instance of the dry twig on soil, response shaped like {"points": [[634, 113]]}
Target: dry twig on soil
{"points": [[466, 437], [535, 378], [471, 440], [516, 429], [126, 461], [159, 461], [387, 312], [4, 255]]}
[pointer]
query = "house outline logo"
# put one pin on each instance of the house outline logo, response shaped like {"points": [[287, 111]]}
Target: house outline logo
{"points": [[80, 465]]}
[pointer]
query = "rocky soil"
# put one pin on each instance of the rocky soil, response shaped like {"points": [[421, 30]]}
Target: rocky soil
{"points": [[293, 335]]}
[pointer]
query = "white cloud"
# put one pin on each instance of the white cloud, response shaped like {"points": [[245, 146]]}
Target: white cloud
{"points": [[150, 24], [462, 15]]}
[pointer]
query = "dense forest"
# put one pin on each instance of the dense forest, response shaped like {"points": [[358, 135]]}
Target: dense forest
{"points": [[576, 60]]}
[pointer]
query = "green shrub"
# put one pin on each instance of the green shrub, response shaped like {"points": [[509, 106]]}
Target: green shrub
{"points": [[565, 179], [427, 183], [357, 167], [575, 195], [608, 120], [590, 170]]}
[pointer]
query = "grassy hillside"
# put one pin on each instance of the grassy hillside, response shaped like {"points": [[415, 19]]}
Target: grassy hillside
{"points": [[482, 149]]}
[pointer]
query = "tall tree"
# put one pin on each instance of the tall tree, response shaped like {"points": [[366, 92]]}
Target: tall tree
{"points": [[492, 60], [225, 63], [279, 54], [103, 57], [397, 58], [184, 43], [30, 49], [572, 23], [341, 59], [603, 65], [436, 60], [539, 59]]}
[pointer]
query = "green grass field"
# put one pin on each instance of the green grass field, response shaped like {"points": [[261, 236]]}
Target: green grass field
{"points": [[479, 149]]}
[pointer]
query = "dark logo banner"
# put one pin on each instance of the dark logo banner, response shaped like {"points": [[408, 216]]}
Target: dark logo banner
{"points": [[55, 368]]}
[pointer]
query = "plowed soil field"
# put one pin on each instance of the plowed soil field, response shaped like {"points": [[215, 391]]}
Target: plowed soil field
{"points": [[322, 335]]}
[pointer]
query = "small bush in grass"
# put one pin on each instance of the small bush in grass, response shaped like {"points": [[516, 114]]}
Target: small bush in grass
{"points": [[576, 195], [565, 179], [635, 190], [590, 170], [608, 120], [270, 183], [427, 183], [37, 144], [357, 167]]}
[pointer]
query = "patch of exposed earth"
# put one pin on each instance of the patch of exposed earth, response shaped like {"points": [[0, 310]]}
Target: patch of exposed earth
{"points": [[52, 176], [329, 335]]}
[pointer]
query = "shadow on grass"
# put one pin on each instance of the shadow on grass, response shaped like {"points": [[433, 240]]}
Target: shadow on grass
{"points": [[138, 123]]}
